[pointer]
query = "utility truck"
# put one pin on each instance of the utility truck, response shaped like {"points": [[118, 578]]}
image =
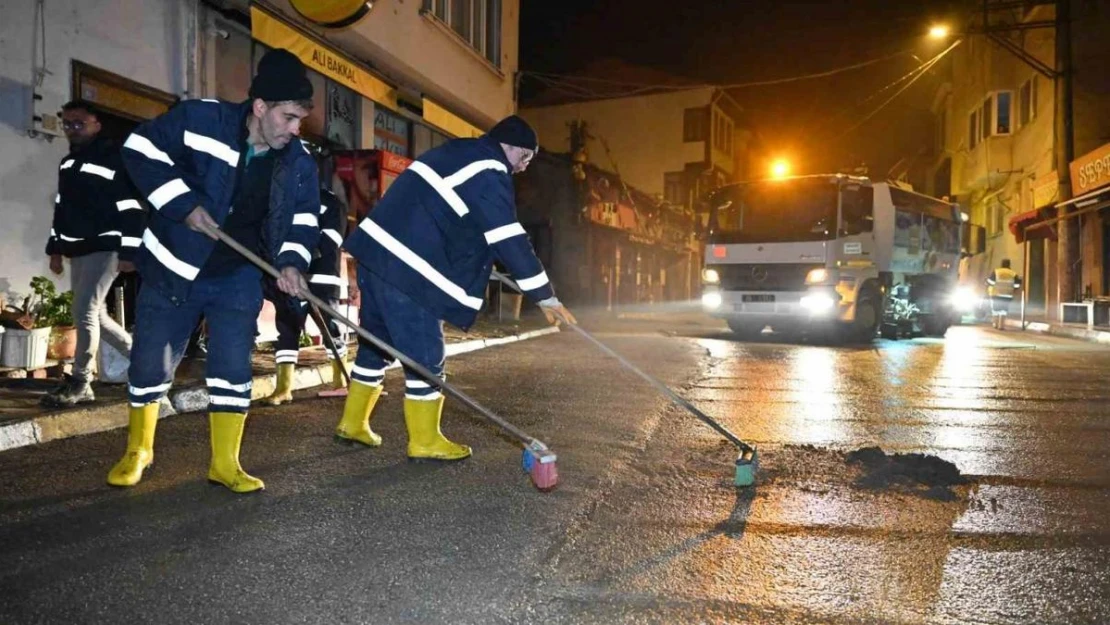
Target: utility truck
{"points": [[839, 255]]}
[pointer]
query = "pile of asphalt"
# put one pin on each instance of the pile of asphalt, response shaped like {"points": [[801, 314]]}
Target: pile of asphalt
{"points": [[921, 474]]}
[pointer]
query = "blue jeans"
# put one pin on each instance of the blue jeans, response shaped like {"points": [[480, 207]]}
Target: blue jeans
{"points": [[230, 306], [400, 322]]}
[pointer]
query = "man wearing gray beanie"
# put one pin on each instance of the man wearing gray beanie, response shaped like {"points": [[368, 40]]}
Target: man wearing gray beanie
{"points": [[425, 255], [241, 168]]}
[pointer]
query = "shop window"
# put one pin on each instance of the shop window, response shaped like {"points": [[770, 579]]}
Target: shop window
{"points": [[392, 132], [438, 139], [342, 115], [421, 139]]}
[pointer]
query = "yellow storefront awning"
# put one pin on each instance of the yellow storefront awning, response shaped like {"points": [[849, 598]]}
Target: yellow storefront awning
{"points": [[277, 34], [438, 116]]}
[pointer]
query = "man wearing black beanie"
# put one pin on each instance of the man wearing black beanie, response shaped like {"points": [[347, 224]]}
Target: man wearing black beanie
{"points": [[425, 255], [241, 168]]}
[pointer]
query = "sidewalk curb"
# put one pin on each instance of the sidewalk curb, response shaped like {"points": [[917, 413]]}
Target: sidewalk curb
{"points": [[110, 416], [1082, 334]]}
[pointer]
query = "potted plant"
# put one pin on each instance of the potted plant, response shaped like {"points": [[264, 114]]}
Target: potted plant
{"points": [[56, 311], [26, 341]]}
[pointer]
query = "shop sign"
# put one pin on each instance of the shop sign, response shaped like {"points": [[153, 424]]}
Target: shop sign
{"points": [[1090, 171]]}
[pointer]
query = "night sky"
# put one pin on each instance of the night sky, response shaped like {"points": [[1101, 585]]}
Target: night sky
{"points": [[732, 41]]}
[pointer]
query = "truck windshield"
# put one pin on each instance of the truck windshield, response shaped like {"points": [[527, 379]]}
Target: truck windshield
{"points": [[774, 211]]}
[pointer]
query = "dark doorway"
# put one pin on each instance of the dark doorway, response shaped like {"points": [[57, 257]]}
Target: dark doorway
{"points": [[1035, 281]]}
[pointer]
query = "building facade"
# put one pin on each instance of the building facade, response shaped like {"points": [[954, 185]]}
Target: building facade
{"points": [[403, 79], [1000, 153], [605, 244], [676, 145]]}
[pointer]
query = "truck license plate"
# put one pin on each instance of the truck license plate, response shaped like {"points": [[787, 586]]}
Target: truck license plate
{"points": [[757, 298]]}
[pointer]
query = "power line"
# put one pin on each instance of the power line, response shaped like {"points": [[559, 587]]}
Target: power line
{"points": [[924, 66], [895, 83], [831, 72], [637, 88], [923, 70]]}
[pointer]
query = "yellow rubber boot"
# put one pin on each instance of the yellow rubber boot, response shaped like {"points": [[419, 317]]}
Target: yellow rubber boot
{"points": [[338, 380], [426, 442], [140, 446], [226, 429], [283, 390], [355, 425]]}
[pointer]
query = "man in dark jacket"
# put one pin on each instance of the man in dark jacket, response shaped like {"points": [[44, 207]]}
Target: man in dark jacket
{"points": [[97, 224], [239, 167], [325, 283], [425, 254]]}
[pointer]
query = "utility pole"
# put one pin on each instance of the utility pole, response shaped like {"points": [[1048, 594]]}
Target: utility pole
{"points": [[1067, 257]]}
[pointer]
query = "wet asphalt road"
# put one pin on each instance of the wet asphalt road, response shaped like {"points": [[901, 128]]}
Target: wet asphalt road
{"points": [[645, 525]]}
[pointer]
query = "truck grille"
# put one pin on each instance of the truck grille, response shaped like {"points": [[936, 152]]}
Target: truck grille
{"points": [[764, 277]]}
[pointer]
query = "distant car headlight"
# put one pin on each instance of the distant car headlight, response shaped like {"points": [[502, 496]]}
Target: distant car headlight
{"points": [[710, 276], [711, 301], [964, 299]]}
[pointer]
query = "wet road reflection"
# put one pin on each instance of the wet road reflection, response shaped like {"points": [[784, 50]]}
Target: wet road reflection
{"points": [[1026, 540]]}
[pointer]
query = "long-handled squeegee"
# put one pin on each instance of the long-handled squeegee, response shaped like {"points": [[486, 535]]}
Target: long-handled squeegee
{"points": [[747, 463], [544, 474]]}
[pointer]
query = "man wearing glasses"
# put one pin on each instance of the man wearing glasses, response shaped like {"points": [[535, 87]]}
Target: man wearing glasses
{"points": [[98, 223], [425, 254]]}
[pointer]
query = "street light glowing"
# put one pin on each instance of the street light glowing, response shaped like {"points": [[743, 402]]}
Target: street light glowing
{"points": [[939, 31], [779, 169]]}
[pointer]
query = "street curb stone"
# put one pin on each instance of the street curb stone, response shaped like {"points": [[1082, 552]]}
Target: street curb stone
{"points": [[1081, 334], [110, 416]]}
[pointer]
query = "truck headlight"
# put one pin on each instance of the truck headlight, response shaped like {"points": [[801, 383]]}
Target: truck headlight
{"points": [[964, 299], [818, 302], [819, 275], [710, 276], [711, 301]]}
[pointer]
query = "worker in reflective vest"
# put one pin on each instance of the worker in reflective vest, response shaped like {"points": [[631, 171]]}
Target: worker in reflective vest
{"points": [[1002, 284], [425, 256], [242, 168]]}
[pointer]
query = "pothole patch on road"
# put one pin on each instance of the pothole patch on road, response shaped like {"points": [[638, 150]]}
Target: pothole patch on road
{"points": [[922, 474], [818, 469]]}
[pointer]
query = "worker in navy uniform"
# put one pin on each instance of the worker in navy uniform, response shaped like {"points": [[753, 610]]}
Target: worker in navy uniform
{"points": [[239, 167], [1002, 284], [324, 281], [425, 254], [98, 220]]}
